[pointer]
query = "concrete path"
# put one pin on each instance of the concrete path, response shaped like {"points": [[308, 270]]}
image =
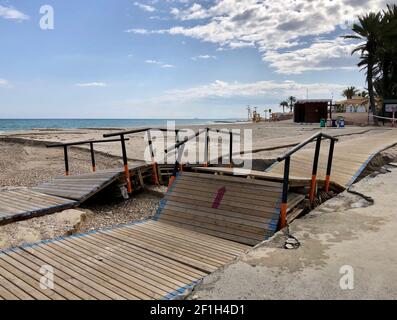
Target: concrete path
{"points": [[344, 233]]}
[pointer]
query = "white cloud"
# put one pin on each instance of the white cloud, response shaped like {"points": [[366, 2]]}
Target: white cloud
{"points": [[137, 31], [12, 14], [230, 91], [272, 26], [159, 63], [4, 83], [91, 84], [204, 57], [321, 55], [145, 7]]}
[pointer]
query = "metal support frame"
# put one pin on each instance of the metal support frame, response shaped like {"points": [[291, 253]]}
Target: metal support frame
{"points": [[65, 147], [125, 163], [92, 156], [206, 147], [287, 158], [284, 199], [329, 165], [231, 150], [313, 185], [66, 159], [177, 166], [154, 163]]}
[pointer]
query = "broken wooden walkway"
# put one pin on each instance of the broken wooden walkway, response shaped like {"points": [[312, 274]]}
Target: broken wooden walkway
{"points": [[203, 223], [62, 193]]}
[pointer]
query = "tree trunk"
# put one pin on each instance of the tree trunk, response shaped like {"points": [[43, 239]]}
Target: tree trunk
{"points": [[371, 92]]}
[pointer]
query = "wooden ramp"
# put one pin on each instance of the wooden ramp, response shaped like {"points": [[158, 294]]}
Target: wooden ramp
{"points": [[19, 204], [79, 187], [351, 157], [149, 260], [62, 193], [237, 209]]}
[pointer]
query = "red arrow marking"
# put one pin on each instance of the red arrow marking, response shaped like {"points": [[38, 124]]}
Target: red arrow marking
{"points": [[219, 197]]}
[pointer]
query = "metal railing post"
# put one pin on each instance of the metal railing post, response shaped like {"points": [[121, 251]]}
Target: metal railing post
{"points": [[206, 147], [66, 157], [92, 157], [284, 199], [177, 165], [177, 142], [231, 150], [315, 168], [125, 162], [329, 165], [154, 163]]}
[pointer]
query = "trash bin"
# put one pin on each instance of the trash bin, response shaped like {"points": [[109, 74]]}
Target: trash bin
{"points": [[334, 124], [341, 123], [323, 123]]}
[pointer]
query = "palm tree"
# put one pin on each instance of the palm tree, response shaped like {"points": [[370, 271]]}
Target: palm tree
{"points": [[291, 101], [364, 94], [368, 30], [387, 52], [284, 104], [350, 92]]}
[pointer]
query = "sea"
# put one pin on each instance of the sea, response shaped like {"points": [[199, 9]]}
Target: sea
{"points": [[28, 124]]}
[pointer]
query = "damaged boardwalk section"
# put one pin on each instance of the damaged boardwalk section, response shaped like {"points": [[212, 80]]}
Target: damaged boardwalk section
{"points": [[156, 259], [62, 193], [204, 222]]}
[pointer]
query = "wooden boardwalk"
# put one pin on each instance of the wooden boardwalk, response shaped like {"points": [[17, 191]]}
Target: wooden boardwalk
{"points": [[149, 260], [351, 157], [20, 204], [203, 223], [237, 209], [62, 193]]}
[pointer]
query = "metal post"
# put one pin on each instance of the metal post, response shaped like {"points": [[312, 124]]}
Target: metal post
{"points": [[284, 200], [231, 150], [206, 147], [179, 148], [125, 162], [154, 164], [329, 165], [177, 166], [315, 167], [92, 156], [65, 152]]}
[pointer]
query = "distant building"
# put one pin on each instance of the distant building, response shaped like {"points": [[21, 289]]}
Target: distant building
{"points": [[356, 104], [311, 111]]}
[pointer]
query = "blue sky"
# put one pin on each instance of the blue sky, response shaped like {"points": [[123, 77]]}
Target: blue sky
{"points": [[172, 58]]}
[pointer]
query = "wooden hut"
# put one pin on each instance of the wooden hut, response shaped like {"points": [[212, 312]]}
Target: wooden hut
{"points": [[311, 111]]}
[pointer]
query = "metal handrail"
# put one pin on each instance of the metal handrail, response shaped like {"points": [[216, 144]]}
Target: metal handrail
{"points": [[180, 143], [304, 143], [318, 137], [78, 143]]}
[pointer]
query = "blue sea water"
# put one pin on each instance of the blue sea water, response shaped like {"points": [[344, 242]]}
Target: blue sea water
{"points": [[28, 124]]}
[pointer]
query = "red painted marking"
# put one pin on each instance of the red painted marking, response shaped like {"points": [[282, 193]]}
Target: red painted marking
{"points": [[219, 197]]}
